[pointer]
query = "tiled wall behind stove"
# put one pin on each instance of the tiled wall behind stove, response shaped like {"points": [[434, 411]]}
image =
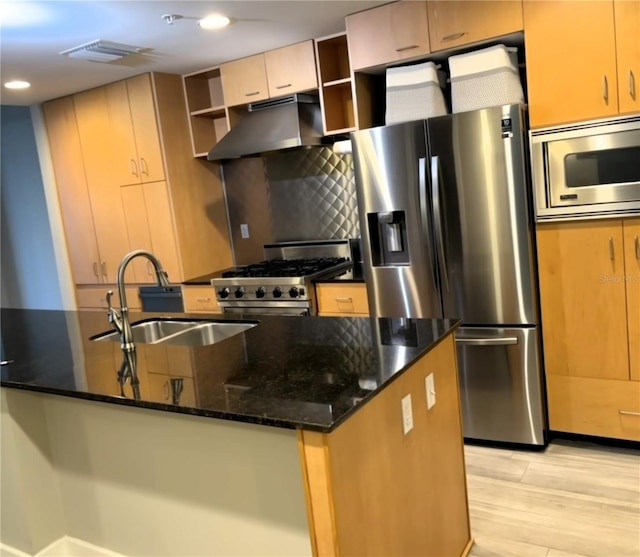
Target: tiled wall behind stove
{"points": [[297, 195]]}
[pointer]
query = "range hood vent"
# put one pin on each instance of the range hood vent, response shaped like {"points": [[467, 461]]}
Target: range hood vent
{"points": [[282, 123]]}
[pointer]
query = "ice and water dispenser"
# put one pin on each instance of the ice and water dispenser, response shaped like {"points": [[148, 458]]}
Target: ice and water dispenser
{"points": [[388, 234]]}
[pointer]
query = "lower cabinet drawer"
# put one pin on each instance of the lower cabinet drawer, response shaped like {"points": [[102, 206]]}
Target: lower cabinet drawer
{"points": [[95, 297], [200, 299], [342, 299], [601, 407]]}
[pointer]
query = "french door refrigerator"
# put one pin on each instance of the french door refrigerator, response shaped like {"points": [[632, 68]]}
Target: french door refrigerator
{"points": [[447, 231]]}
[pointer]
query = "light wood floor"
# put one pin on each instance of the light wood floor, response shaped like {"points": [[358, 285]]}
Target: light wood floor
{"points": [[573, 500]]}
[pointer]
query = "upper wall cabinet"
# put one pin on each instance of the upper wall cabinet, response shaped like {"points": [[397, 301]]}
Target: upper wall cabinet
{"points": [[118, 133], [462, 22], [627, 21], [571, 60], [387, 34], [245, 80], [291, 69]]}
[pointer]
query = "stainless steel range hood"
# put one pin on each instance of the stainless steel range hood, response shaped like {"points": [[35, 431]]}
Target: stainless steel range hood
{"points": [[283, 123]]}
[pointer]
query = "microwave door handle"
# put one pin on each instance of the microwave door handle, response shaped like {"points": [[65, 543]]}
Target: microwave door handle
{"points": [[424, 213], [437, 217]]}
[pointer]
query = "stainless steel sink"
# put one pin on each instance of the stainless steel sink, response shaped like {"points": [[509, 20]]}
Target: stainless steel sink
{"points": [[184, 332]]}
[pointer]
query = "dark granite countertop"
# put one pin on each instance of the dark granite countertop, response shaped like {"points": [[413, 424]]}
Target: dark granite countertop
{"points": [[292, 372], [354, 274], [204, 280]]}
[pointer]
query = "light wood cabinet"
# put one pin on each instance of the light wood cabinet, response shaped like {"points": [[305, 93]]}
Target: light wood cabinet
{"points": [[590, 305], [119, 133], [73, 193], [244, 81], [95, 297], [208, 115], [584, 313], [342, 299], [200, 299], [168, 212], [627, 23], [455, 23], [150, 226], [291, 69], [387, 34], [571, 60], [631, 229]]}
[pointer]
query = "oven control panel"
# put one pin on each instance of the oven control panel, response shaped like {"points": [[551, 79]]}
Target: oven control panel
{"points": [[262, 293]]}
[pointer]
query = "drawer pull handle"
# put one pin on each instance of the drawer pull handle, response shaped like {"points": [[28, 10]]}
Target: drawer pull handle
{"points": [[283, 86], [612, 250], [344, 300], [605, 89], [453, 36], [504, 341], [405, 48], [632, 85], [636, 241], [203, 299], [133, 167], [628, 413], [252, 94]]}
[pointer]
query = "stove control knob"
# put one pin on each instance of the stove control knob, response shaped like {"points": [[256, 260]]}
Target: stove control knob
{"points": [[223, 293], [277, 292], [239, 292], [260, 292], [293, 292]]}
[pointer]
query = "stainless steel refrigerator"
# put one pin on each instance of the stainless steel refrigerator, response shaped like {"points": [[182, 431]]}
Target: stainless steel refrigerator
{"points": [[447, 232]]}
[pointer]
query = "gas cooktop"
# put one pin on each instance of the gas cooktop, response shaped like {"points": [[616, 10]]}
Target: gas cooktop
{"points": [[286, 267]]}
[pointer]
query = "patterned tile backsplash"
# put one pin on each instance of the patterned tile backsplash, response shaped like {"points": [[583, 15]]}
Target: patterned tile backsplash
{"points": [[297, 195]]}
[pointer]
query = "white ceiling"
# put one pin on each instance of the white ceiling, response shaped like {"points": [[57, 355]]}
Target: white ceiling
{"points": [[32, 33]]}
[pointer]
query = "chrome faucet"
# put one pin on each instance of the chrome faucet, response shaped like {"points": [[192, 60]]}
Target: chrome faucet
{"points": [[128, 368]]}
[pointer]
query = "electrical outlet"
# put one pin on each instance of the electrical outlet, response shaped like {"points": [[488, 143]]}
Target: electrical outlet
{"points": [[244, 231], [430, 387], [407, 415]]}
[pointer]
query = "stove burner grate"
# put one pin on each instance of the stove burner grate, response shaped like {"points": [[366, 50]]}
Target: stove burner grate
{"points": [[285, 267]]}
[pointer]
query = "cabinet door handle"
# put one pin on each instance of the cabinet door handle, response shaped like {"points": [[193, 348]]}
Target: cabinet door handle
{"points": [[104, 268], [283, 86], [628, 413], [133, 166], [404, 48], [95, 268], [143, 166], [253, 93], [636, 242], [149, 268], [454, 36], [632, 85], [344, 300], [165, 390], [612, 249], [605, 89]]}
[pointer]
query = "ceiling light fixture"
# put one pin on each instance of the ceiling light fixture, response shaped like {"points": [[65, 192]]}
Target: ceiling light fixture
{"points": [[17, 84], [214, 21]]}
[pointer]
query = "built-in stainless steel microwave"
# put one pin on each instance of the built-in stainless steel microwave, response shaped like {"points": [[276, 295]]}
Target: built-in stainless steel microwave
{"points": [[588, 168]]}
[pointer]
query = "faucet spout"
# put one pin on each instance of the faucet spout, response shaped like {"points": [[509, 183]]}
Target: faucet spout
{"points": [[128, 368]]}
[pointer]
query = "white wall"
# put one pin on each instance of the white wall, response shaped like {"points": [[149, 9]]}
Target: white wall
{"points": [[28, 270], [143, 482]]}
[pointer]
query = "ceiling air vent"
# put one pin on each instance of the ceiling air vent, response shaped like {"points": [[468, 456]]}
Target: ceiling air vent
{"points": [[101, 51]]}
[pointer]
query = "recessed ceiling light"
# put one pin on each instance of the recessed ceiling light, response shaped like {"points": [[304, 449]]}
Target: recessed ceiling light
{"points": [[17, 84], [214, 21]]}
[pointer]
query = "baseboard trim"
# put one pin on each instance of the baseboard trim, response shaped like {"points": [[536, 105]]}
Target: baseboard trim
{"points": [[66, 546]]}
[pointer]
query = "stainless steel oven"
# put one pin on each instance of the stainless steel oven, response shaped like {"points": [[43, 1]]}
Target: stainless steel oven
{"points": [[589, 168]]}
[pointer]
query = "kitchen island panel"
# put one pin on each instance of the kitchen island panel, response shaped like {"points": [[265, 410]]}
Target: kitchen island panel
{"points": [[373, 490]]}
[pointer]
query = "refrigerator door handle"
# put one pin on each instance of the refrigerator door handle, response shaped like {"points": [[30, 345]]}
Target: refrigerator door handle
{"points": [[435, 198], [424, 212], [504, 341]]}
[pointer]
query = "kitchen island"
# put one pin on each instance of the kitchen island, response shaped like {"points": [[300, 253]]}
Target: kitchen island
{"points": [[310, 453]]}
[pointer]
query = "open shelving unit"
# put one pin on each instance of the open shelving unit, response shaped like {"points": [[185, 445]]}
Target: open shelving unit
{"points": [[208, 115]]}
